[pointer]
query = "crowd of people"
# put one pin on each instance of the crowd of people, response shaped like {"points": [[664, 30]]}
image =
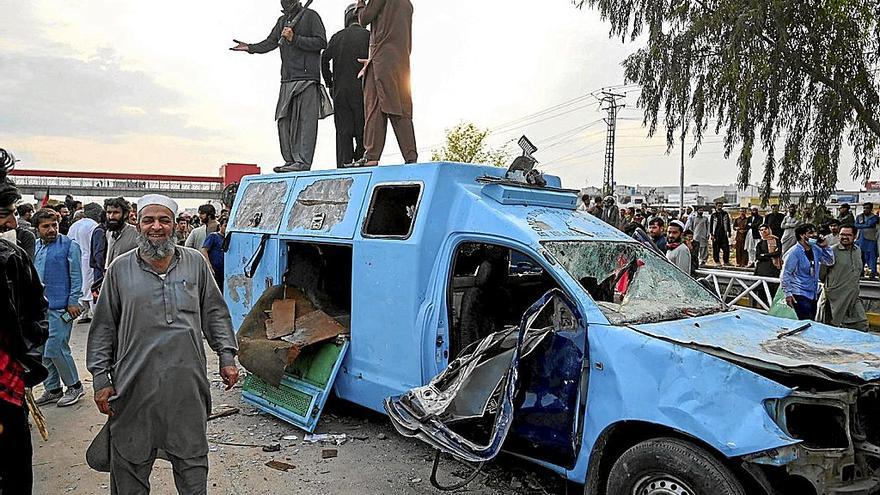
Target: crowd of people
{"points": [[819, 258], [156, 299], [71, 245]]}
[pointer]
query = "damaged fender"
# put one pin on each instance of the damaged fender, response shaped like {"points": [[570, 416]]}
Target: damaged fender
{"points": [[638, 378]]}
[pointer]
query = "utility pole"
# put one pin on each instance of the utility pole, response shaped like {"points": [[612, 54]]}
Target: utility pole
{"points": [[610, 103], [681, 179]]}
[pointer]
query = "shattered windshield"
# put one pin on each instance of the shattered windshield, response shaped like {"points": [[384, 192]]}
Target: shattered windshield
{"points": [[632, 284]]}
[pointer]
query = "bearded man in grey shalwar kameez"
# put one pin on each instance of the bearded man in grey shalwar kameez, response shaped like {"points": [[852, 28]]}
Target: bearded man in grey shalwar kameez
{"points": [[839, 304], [146, 354]]}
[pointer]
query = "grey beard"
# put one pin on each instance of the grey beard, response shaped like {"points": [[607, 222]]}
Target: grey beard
{"points": [[156, 251]]}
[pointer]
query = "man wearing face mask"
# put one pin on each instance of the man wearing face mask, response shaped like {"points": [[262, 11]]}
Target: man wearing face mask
{"points": [[800, 271], [59, 264], [121, 235], [299, 100]]}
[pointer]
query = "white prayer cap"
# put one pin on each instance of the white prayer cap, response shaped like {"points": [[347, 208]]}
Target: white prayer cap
{"points": [[678, 224], [158, 199]]}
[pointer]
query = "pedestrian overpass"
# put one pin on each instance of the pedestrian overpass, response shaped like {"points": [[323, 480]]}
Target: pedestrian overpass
{"points": [[107, 184]]}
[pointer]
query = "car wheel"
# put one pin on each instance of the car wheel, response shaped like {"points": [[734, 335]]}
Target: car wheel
{"points": [[668, 466]]}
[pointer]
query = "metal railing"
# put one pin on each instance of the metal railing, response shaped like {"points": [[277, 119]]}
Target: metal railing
{"points": [[734, 286]]}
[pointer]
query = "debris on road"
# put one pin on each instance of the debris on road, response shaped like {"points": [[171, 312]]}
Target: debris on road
{"points": [[223, 411], [275, 447], [338, 439], [280, 466], [329, 453]]}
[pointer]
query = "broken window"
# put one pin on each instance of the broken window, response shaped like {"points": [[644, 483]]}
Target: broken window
{"points": [[632, 284], [490, 288], [321, 205], [392, 211], [261, 206]]}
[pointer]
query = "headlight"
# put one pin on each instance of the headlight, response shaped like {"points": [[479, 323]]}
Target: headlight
{"points": [[818, 420]]}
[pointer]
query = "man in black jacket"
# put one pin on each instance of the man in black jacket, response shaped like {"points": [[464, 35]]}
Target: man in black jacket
{"points": [[344, 50], [773, 221], [719, 229], [23, 311], [299, 101]]}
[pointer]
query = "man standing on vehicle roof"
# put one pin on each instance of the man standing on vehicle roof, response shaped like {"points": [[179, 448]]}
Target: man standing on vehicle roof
{"points": [[866, 223], [386, 73], [677, 251], [344, 50], [839, 304], [299, 101], [800, 272], [147, 358]]}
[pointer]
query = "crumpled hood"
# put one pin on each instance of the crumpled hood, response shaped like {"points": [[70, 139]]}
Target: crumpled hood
{"points": [[763, 341]]}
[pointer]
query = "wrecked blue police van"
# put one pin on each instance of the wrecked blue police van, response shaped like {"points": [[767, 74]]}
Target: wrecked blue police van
{"points": [[483, 313]]}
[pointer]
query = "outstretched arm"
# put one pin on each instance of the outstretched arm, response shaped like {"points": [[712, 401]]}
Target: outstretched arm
{"points": [[265, 46]]}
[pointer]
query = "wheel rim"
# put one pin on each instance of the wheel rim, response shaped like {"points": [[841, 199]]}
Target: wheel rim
{"points": [[661, 484]]}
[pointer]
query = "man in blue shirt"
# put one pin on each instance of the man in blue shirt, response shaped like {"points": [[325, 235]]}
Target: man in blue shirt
{"points": [[58, 261], [866, 223], [800, 273], [213, 251]]}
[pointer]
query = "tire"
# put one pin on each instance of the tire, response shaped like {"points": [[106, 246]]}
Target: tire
{"points": [[668, 466]]}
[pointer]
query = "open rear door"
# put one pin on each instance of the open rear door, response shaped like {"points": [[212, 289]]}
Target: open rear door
{"points": [[305, 385]]}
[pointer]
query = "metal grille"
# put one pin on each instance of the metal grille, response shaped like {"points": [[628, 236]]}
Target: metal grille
{"points": [[293, 400]]}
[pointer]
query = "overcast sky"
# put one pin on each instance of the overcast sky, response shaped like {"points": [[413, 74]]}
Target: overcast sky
{"points": [[150, 86]]}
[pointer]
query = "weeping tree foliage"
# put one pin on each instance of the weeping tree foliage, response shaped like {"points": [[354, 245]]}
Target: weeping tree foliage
{"points": [[466, 143], [797, 79]]}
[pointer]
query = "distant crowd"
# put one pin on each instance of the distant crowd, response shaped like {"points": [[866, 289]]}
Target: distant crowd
{"points": [[802, 247]]}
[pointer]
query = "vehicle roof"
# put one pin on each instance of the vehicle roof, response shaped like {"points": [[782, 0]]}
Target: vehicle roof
{"points": [[469, 197]]}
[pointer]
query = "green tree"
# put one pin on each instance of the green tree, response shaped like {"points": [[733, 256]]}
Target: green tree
{"points": [[797, 78], [466, 143]]}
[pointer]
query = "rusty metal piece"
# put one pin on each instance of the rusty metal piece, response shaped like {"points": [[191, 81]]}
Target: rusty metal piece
{"points": [[329, 453], [313, 328], [281, 324], [222, 413], [280, 466]]}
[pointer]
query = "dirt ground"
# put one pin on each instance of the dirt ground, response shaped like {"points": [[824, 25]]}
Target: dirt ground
{"points": [[373, 459]]}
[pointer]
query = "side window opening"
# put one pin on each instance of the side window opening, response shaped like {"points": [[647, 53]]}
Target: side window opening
{"points": [[490, 288], [392, 211]]}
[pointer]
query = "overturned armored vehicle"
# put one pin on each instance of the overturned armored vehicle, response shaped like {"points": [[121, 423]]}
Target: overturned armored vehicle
{"points": [[483, 314]]}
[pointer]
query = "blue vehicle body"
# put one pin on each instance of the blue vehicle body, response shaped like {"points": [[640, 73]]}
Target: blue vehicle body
{"points": [[701, 378]]}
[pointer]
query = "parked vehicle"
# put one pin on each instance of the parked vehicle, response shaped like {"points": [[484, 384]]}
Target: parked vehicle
{"points": [[485, 314]]}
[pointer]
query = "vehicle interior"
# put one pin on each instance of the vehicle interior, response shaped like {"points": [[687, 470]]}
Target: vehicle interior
{"points": [[323, 273], [490, 288]]}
